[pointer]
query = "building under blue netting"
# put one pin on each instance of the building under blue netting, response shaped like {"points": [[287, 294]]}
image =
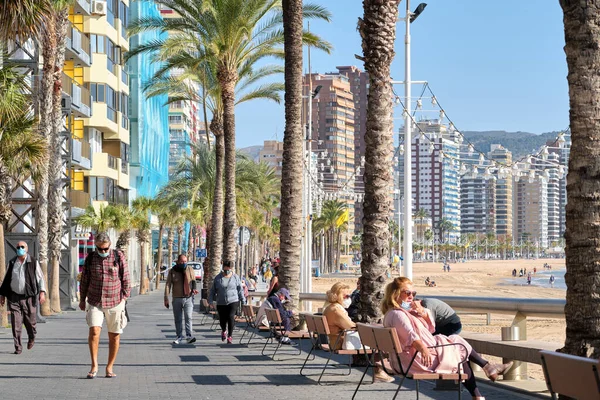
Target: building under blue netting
{"points": [[149, 116]]}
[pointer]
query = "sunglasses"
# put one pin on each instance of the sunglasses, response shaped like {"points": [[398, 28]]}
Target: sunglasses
{"points": [[104, 250], [21, 247], [408, 293]]}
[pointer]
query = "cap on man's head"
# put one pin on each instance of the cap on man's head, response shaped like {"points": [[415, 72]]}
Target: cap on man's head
{"points": [[285, 293]]}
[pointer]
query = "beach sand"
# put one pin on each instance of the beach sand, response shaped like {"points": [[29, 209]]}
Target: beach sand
{"points": [[482, 279]]}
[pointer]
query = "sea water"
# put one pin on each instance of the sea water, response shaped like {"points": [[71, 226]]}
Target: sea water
{"points": [[541, 278]]}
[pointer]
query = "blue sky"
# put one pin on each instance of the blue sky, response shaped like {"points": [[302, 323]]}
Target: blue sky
{"points": [[493, 65]]}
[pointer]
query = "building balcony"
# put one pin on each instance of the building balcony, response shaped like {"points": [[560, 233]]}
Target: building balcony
{"points": [[104, 165], [78, 47], [82, 7], [81, 154], [123, 180], [79, 199], [79, 97]]}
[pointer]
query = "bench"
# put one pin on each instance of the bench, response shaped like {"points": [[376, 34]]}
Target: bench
{"points": [[251, 324], [522, 350], [277, 330], [572, 376]]}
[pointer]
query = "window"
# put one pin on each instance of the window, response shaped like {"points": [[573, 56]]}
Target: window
{"points": [[113, 9]]}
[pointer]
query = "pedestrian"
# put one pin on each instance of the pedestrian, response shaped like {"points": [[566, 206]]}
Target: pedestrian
{"points": [[103, 291], [181, 282], [274, 283], [529, 278], [227, 292], [552, 279], [23, 284]]}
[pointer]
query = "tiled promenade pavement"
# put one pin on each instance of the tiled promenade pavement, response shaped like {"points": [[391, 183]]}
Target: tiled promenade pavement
{"points": [[150, 367]]}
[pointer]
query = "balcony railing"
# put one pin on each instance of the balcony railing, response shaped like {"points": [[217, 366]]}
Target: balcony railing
{"points": [[86, 150], [67, 84], [112, 162], [79, 43], [124, 167], [124, 77], [80, 199], [80, 96]]}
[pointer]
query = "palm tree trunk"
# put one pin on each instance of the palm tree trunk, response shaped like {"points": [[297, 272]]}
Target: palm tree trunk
{"points": [[215, 249], [56, 170], [3, 313], [45, 96], [227, 81], [190, 248], [159, 254], [170, 236], [143, 278], [582, 29], [293, 141], [180, 230], [378, 33]]}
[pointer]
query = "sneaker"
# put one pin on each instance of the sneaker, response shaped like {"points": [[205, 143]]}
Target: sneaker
{"points": [[177, 340], [286, 340], [229, 340], [223, 336], [191, 339]]}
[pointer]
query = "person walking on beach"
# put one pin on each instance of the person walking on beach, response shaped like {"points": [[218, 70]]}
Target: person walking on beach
{"points": [[227, 292], [529, 278], [105, 285], [22, 285], [181, 282], [552, 280]]}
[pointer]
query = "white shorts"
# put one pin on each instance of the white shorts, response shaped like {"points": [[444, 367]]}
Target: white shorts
{"points": [[115, 317]]}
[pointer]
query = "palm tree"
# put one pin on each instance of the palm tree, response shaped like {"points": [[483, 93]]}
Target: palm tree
{"points": [[582, 313], [428, 236], [331, 224], [421, 215], [234, 33], [377, 29], [22, 150], [98, 220]]}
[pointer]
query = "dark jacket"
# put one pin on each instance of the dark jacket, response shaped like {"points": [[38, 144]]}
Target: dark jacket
{"points": [[31, 284]]}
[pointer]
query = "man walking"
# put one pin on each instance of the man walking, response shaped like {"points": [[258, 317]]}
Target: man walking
{"points": [[105, 285], [22, 284], [181, 282]]}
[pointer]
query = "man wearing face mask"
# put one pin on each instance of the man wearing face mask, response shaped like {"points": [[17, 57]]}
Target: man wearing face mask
{"points": [[182, 282], [227, 292], [22, 284], [105, 285]]}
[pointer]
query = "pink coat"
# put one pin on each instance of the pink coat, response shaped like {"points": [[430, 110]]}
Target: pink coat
{"points": [[411, 327]]}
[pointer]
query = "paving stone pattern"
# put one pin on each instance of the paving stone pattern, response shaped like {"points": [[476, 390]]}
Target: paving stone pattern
{"points": [[150, 367]]}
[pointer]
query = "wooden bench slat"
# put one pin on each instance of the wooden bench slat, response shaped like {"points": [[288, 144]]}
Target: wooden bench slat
{"points": [[424, 375]]}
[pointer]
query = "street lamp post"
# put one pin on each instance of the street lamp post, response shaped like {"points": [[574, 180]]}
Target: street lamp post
{"points": [[408, 257]]}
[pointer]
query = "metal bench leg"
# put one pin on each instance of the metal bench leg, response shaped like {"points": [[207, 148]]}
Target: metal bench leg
{"points": [[244, 333], [306, 359], [361, 379], [269, 339], [417, 384], [325, 367], [399, 387]]}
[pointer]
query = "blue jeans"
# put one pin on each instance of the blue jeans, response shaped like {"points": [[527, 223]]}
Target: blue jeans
{"points": [[183, 307]]}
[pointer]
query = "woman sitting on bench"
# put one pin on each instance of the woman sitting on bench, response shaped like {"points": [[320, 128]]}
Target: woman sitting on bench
{"points": [[415, 326]]}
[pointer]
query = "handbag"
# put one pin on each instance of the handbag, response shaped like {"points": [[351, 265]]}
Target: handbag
{"points": [[352, 341]]}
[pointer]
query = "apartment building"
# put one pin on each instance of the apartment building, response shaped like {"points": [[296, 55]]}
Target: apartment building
{"points": [[359, 86], [478, 202], [272, 155], [504, 189], [530, 211], [106, 79], [333, 123], [435, 176]]}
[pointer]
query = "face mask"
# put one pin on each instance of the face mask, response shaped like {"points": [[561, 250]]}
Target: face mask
{"points": [[406, 305], [347, 303], [103, 255], [183, 265], [226, 271], [21, 252]]}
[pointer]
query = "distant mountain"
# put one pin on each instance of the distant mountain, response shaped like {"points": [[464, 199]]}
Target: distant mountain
{"points": [[519, 143], [251, 151]]}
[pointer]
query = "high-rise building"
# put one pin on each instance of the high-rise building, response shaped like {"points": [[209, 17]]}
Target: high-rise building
{"points": [[530, 215], [359, 86], [108, 83], [436, 178], [551, 176], [504, 189], [149, 126], [272, 155], [333, 130], [477, 202], [561, 147]]}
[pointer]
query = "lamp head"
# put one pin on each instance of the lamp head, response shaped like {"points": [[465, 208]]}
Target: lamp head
{"points": [[415, 14]]}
